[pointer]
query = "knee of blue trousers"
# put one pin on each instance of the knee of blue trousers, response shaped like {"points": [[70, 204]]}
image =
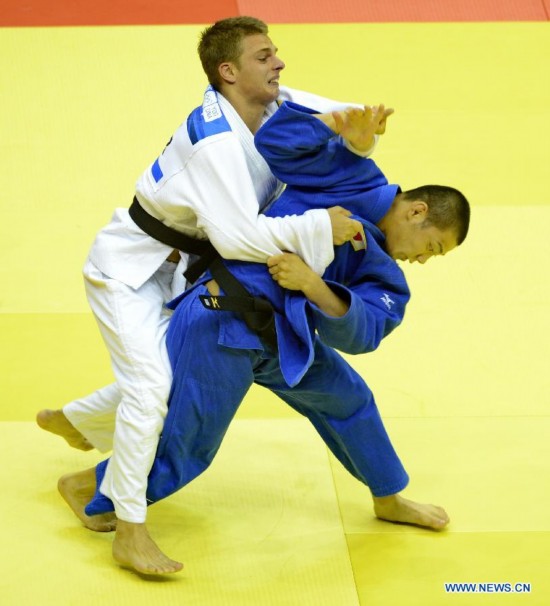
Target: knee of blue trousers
{"points": [[344, 405]]}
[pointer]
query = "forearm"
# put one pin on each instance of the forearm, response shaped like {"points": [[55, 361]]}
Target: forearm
{"points": [[358, 135], [319, 293], [227, 210], [308, 235], [290, 272], [327, 119]]}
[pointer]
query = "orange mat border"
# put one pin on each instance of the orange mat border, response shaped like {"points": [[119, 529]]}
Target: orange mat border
{"points": [[158, 12], [115, 12], [366, 11]]}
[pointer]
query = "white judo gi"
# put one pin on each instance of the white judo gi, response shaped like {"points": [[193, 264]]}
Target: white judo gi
{"points": [[212, 189]]}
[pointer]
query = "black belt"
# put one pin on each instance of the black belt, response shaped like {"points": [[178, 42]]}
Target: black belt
{"points": [[257, 312], [167, 235]]}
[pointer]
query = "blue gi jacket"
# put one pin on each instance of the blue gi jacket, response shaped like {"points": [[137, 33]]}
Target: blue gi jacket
{"points": [[320, 172]]}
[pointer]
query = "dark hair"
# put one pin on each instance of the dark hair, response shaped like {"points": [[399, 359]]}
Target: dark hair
{"points": [[447, 208], [222, 42]]}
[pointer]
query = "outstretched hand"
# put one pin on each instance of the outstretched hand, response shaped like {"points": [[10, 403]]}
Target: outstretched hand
{"points": [[358, 126]]}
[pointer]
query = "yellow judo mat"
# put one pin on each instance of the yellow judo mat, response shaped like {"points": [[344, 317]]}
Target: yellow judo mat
{"points": [[463, 385]]}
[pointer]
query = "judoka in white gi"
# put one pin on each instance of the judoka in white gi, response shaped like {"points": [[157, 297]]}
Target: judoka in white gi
{"points": [[359, 300], [207, 185]]}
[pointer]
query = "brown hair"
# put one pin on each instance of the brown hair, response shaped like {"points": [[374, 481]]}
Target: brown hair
{"points": [[222, 42]]}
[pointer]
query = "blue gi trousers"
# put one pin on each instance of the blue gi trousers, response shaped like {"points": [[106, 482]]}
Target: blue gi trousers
{"points": [[211, 380]]}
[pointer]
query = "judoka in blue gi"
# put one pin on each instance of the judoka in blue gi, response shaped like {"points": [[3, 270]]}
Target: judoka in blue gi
{"points": [[359, 300]]}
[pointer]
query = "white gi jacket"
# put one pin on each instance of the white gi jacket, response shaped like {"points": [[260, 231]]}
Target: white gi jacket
{"points": [[222, 204]]}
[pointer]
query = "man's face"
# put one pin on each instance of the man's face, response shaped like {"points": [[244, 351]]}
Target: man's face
{"points": [[412, 238], [258, 69]]}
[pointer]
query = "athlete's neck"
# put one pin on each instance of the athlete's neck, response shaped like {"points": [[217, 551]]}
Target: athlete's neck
{"points": [[251, 113]]}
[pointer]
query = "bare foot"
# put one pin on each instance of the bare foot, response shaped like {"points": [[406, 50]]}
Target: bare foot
{"points": [[397, 509], [134, 548], [78, 489], [56, 422]]}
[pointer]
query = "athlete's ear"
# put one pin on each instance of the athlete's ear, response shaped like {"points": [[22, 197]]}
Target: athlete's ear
{"points": [[228, 72], [417, 211]]}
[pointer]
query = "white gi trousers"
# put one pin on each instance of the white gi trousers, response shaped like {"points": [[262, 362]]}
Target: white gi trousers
{"points": [[133, 324]]}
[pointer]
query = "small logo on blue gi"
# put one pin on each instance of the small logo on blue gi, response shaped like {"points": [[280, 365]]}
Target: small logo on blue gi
{"points": [[387, 301]]}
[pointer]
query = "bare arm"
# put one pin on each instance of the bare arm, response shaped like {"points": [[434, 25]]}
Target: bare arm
{"points": [[290, 272]]}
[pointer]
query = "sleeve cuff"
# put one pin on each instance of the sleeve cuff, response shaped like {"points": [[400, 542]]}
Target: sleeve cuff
{"points": [[363, 154]]}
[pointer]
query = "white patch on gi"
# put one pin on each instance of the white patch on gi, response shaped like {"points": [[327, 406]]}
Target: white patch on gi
{"points": [[387, 301]]}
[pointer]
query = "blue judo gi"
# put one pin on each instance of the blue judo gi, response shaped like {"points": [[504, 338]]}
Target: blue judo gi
{"points": [[215, 357]]}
